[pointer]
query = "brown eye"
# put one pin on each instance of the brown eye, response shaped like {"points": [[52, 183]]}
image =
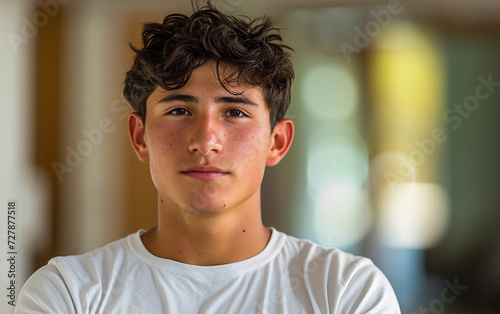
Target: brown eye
{"points": [[178, 112], [236, 113]]}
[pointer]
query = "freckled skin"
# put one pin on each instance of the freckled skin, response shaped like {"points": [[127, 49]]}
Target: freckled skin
{"points": [[236, 145], [200, 220]]}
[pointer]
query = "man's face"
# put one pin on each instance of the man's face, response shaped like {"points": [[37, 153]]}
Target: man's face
{"points": [[207, 148]]}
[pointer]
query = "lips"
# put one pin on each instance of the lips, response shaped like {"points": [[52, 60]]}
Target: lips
{"points": [[206, 173]]}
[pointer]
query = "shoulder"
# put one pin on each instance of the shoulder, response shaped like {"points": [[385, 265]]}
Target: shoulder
{"points": [[312, 256], [94, 265], [59, 286], [349, 283], [45, 292]]}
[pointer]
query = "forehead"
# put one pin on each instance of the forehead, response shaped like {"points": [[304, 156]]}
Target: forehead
{"points": [[204, 83]]}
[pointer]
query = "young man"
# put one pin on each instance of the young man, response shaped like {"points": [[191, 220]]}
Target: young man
{"points": [[210, 93]]}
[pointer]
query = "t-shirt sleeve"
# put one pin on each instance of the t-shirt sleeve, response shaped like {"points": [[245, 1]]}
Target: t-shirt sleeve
{"points": [[367, 290], [45, 292]]}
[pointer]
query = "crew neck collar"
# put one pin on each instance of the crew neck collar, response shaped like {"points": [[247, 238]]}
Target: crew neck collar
{"points": [[272, 248]]}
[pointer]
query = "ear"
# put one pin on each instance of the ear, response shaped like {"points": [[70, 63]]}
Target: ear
{"points": [[281, 139], [137, 135]]}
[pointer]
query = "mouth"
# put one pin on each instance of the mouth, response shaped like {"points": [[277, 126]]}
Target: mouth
{"points": [[205, 173]]}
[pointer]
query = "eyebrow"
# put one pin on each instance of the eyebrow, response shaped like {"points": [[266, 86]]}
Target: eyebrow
{"points": [[178, 97], [222, 99], [235, 100]]}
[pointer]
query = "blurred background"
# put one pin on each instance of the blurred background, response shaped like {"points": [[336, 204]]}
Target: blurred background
{"points": [[395, 105]]}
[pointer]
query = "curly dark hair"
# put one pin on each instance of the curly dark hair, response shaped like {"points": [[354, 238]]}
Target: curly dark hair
{"points": [[173, 49]]}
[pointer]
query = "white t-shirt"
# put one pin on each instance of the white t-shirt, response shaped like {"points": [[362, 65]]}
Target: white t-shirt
{"points": [[288, 276]]}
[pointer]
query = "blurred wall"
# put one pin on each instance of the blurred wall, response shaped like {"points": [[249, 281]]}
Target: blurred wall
{"points": [[393, 158]]}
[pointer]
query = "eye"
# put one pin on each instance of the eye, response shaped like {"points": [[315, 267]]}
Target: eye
{"points": [[178, 112], [235, 113]]}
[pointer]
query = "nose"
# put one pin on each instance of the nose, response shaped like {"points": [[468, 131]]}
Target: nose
{"points": [[206, 135]]}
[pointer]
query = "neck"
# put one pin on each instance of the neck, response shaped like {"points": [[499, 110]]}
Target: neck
{"points": [[230, 236]]}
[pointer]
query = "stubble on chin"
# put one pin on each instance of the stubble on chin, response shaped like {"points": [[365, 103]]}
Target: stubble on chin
{"points": [[204, 201]]}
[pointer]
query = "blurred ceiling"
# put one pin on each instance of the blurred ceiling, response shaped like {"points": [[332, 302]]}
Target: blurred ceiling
{"points": [[461, 11]]}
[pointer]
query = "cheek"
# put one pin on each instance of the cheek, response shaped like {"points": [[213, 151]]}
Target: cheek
{"points": [[249, 144], [164, 146], [164, 141]]}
